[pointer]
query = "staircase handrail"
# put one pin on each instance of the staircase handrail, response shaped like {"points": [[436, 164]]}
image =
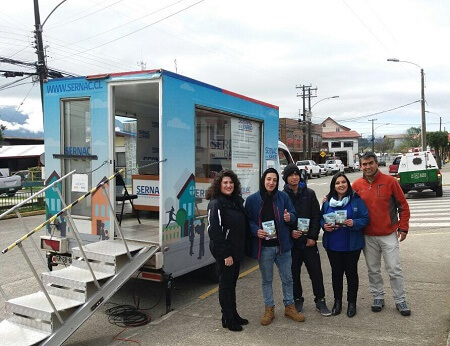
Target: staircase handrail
{"points": [[29, 234]]}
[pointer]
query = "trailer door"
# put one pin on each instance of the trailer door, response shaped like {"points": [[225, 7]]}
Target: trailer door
{"points": [[76, 142]]}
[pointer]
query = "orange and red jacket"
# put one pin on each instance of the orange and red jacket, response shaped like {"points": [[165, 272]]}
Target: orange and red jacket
{"points": [[386, 203]]}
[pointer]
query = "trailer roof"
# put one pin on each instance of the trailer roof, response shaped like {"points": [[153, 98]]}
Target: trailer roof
{"points": [[181, 77]]}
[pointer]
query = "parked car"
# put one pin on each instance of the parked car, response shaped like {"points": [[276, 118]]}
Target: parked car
{"points": [[335, 166], [10, 185], [312, 169], [356, 166], [393, 168], [324, 169]]}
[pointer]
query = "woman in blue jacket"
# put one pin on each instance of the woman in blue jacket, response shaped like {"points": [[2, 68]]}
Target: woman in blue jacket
{"points": [[344, 239]]}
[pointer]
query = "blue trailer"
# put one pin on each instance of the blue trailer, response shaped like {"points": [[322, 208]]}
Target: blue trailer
{"points": [[171, 134]]}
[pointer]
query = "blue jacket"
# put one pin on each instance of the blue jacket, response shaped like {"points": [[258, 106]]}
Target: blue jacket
{"points": [[360, 220], [281, 201]]}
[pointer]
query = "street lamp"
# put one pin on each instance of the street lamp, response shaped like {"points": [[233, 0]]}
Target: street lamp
{"points": [[373, 133], [309, 123], [422, 92], [440, 119], [326, 98]]}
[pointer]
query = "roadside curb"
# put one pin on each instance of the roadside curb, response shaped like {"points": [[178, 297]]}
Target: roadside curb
{"points": [[27, 213]]}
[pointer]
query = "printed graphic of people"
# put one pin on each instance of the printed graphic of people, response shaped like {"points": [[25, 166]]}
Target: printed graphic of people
{"points": [[200, 230], [191, 235], [171, 216]]}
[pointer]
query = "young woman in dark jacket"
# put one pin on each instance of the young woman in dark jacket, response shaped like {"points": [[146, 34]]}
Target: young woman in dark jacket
{"points": [[226, 228], [344, 239]]}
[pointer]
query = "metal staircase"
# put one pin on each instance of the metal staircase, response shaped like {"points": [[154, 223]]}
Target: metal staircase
{"points": [[31, 319], [69, 296]]}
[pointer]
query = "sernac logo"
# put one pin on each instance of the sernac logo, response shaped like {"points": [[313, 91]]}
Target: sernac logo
{"points": [[245, 125]]}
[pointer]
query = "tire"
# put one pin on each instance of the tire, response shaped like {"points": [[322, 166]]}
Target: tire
{"points": [[11, 194], [439, 191]]}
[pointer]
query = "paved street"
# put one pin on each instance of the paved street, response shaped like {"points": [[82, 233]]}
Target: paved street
{"points": [[196, 318]]}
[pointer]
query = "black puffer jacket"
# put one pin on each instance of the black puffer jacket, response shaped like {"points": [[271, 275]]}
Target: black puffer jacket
{"points": [[307, 206], [226, 228]]}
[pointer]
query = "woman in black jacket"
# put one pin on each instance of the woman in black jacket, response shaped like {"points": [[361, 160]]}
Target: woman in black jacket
{"points": [[226, 228]]}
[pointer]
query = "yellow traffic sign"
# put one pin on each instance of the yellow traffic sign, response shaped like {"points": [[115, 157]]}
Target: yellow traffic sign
{"points": [[323, 154]]}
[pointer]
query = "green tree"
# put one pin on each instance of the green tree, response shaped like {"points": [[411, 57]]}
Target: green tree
{"points": [[439, 141], [412, 140], [384, 145]]}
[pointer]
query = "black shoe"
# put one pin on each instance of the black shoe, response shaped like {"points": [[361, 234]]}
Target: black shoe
{"points": [[241, 321], [231, 325], [351, 310], [299, 304], [321, 306], [337, 307]]}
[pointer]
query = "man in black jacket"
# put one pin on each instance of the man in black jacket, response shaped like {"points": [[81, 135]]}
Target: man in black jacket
{"points": [[305, 234]]}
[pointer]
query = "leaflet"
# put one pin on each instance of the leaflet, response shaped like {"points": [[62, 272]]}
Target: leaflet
{"points": [[269, 228], [303, 225], [341, 216]]}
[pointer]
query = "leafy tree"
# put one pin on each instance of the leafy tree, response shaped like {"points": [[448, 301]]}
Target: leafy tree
{"points": [[384, 145], [439, 141]]}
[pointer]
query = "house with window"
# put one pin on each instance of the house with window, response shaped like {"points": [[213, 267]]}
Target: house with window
{"points": [[338, 140]]}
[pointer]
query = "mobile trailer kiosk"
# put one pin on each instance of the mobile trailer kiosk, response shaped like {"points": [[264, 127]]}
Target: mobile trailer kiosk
{"points": [[189, 130]]}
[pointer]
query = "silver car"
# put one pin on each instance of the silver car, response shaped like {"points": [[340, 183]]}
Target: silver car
{"points": [[324, 170]]}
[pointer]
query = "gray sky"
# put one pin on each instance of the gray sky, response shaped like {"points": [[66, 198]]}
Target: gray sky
{"points": [[261, 49]]}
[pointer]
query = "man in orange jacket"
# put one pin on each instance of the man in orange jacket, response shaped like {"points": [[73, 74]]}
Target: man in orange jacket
{"points": [[389, 223]]}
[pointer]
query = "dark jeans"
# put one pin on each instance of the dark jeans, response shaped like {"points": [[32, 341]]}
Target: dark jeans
{"points": [[227, 288], [310, 256], [344, 262]]}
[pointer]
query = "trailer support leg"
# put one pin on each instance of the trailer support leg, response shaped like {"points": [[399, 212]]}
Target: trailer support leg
{"points": [[168, 284]]}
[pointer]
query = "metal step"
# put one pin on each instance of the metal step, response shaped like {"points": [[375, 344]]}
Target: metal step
{"points": [[36, 306], [72, 323], [72, 282], [105, 251], [13, 334]]}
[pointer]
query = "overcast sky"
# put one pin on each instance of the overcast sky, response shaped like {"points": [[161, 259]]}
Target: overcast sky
{"points": [[261, 49]]}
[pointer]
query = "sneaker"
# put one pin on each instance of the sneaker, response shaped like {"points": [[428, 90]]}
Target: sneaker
{"points": [[321, 306], [299, 304], [377, 305], [402, 307]]}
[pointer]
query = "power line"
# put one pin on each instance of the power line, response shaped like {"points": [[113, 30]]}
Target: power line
{"points": [[145, 27]]}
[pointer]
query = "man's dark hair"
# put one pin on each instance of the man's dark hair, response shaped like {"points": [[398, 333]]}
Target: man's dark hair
{"points": [[367, 155]]}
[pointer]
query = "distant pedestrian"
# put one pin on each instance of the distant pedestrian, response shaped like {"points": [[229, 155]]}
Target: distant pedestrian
{"points": [[344, 239], [271, 214], [389, 222], [304, 250], [226, 228]]}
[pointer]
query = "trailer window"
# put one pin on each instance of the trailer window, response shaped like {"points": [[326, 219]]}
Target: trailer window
{"points": [[227, 141]]}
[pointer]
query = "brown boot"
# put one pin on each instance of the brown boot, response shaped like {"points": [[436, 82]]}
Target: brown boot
{"points": [[269, 315], [291, 312]]}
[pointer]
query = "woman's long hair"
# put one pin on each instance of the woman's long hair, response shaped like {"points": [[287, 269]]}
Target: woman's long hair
{"points": [[214, 190], [333, 192]]}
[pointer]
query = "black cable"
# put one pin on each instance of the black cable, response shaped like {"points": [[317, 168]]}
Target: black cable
{"points": [[127, 316]]}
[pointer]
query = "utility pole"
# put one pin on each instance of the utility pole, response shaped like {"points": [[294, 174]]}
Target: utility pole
{"points": [[310, 121], [373, 136], [424, 123], [41, 68], [306, 122]]}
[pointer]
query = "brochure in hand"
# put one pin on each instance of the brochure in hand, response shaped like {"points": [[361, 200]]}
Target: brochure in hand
{"points": [[341, 216], [330, 218], [303, 225], [269, 227]]}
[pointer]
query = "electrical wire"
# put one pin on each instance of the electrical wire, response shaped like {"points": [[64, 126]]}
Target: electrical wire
{"points": [[127, 316], [21, 103]]}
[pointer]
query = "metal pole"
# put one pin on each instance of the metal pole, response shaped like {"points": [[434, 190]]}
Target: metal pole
{"points": [[304, 124], [41, 69], [424, 126]]}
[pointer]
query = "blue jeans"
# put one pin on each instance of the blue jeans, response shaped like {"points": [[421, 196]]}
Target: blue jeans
{"points": [[269, 256]]}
